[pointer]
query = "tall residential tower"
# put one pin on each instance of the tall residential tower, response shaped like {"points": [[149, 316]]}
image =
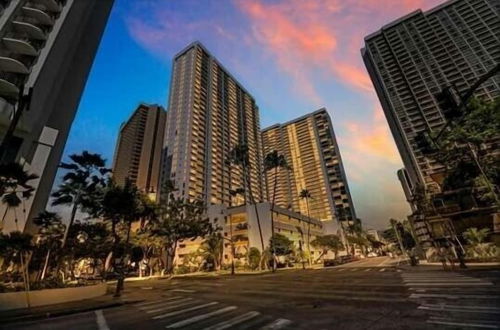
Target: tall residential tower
{"points": [[310, 148], [47, 46], [209, 113], [139, 148], [411, 59]]}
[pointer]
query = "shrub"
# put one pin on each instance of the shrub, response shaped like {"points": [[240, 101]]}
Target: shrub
{"points": [[253, 258]]}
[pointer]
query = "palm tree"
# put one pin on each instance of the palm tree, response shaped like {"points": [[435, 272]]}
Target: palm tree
{"points": [[14, 187], [50, 234], [212, 248], [274, 162], [239, 156], [306, 195], [85, 178]]}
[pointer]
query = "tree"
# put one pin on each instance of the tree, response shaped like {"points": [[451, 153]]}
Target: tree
{"points": [[306, 195], [211, 249], [14, 187], [328, 243], [179, 219], [281, 244], [13, 248], [274, 162], [254, 257], [121, 205], [238, 156], [83, 182], [476, 236], [50, 234]]}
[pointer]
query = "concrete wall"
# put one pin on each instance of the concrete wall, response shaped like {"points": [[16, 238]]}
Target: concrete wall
{"points": [[15, 300]]}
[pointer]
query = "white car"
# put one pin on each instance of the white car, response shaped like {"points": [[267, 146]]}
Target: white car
{"points": [[372, 254]]}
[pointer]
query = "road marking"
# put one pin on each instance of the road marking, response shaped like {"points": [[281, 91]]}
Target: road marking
{"points": [[276, 324], [160, 304], [450, 284], [200, 317], [461, 325], [463, 306], [342, 269], [183, 290], [354, 270], [368, 269], [399, 270], [234, 321], [101, 320], [442, 308], [177, 303], [450, 296], [155, 301], [382, 270], [162, 316], [449, 281]]}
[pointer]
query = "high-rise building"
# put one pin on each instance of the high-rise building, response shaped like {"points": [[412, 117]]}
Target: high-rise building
{"points": [[47, 47], [413, 58], [312, 153], [410, 61], [209, 113], [139, 148]]}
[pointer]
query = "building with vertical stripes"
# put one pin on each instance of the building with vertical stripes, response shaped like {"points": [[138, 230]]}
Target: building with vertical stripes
{"points": [[209, 113], [312, 153], [139, 148]]}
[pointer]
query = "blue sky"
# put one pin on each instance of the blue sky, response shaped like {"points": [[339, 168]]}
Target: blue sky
{"points": [[294, 56]]}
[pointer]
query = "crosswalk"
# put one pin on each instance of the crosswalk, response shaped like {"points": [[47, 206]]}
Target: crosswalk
{"points": [[362, 269], [454, 300], [180, 312]]}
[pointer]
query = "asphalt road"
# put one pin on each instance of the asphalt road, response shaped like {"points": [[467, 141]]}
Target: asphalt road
{"points": [[369, 294]]}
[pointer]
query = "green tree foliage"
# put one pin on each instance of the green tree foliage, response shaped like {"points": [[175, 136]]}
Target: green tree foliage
{"points": [[13, 249], [211, 250], [82, 184], [50, 234], [254, 258], [328, 243], [282, 245]]}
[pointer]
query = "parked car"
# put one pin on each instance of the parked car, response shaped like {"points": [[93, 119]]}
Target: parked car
{"points": [[372, 255], [330, 262]]}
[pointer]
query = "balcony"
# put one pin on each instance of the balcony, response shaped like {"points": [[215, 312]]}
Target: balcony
{"points": [[33, 32], [8, 64], [20, 46], [39, 15], [8, 90], [50, 5]]}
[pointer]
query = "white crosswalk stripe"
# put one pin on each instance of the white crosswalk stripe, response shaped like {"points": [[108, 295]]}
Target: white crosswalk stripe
{"points": [[234, 321], [185, 312], [162, 316], [438, 292], [277, 324]]}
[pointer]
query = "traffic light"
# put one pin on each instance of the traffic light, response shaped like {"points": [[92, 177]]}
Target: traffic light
{"points": [[424, 143], [449, 102]]}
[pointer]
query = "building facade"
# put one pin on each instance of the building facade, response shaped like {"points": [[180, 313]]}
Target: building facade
{"points": [[209, 113], [139, 148], [312, 153], [46, 51], [240, 227], [410, 61]]}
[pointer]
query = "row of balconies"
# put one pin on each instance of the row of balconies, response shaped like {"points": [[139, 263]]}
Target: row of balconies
{"points": [[22, 43]]}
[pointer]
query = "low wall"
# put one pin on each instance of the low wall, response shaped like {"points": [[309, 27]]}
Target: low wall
{"points": [[15, 300]]}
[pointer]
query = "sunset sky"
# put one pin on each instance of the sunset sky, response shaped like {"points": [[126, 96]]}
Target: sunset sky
{"points": [[293, 56]]}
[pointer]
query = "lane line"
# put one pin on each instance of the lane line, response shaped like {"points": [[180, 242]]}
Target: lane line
{"points": [[354, 270], [183, 290], [159, 304], [461, 310], [461, 325], [162, 316], [382, 270], [234, 321], [449, 284], [368, 269], [201, 317], [276, 324], [463, 306], [450, 296], [101, 320], [155, 301], [188, 301]]}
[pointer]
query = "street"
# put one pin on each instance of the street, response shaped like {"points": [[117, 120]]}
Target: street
{"points": [[369, 294]]}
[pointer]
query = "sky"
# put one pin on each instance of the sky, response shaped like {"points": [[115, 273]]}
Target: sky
{"points": [[293, 56]]}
